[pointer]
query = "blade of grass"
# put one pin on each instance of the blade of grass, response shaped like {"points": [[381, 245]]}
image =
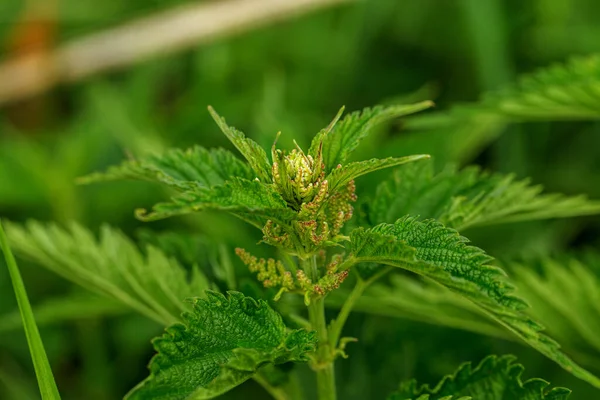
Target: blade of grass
{"points": [[43, 372]]}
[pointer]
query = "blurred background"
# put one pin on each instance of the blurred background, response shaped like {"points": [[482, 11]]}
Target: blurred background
{"points": [[85, 84]]}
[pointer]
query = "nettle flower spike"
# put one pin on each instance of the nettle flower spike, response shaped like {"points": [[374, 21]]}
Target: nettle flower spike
{"points": [[273, 274], [300, 180], [331, 280], [270, 272], [297, 177]]}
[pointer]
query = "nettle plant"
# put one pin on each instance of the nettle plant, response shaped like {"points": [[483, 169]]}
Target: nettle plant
{"points": [[327, 240]]}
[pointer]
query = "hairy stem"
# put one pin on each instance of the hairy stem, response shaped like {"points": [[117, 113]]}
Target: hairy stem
{"points": [[323, 364]]}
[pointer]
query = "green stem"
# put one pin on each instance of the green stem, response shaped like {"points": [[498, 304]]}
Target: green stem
{"points": [[323, 364], [336, 327], [338, 324]]}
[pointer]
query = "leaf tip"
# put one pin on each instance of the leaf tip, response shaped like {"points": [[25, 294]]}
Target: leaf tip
{"points": [[143, 215], [213, 113]]}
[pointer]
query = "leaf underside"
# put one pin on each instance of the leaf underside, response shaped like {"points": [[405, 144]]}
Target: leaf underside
{"points": [[564, 295], [111, 265], [222, 343], [440, 254], [409, 297], [495, 378]]}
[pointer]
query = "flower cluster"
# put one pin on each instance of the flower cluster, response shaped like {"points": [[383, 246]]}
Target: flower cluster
{"points": [[297, 176], [273, 274], [270, 272], [328, 282], [321, 213]]}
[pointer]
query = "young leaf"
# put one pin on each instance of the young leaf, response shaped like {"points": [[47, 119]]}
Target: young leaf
{"points": [[43, 372], [467, 198], [256, 155], [112, 265], [341, 176], [181, 169], [568, 91], [495, 378], [440, 254], [237, 196], [222, 343], [340, 139]]}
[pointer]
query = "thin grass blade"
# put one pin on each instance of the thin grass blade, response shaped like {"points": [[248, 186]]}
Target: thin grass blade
{"points": [[45, 378]]}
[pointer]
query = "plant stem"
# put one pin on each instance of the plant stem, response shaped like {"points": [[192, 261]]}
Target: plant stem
{"points": [[323, 364], [335, 329], [338, 324]]}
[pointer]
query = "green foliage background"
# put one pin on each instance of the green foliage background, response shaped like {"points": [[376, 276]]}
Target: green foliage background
{"points": [[293, 77]]}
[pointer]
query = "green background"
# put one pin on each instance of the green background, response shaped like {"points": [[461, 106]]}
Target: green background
{"points": [[292, 77]]}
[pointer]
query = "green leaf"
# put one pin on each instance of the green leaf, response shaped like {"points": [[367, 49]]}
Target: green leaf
{"points": [[440, 254], [416, 190], [222, 343], [565, 294], [566, 91], [256, 155], [181, 169], [150, 283], [495, 378], [339, 177], [468, 198], [502, 199], [43, 371], [340, 139], [561, 91], [238, 196]]}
